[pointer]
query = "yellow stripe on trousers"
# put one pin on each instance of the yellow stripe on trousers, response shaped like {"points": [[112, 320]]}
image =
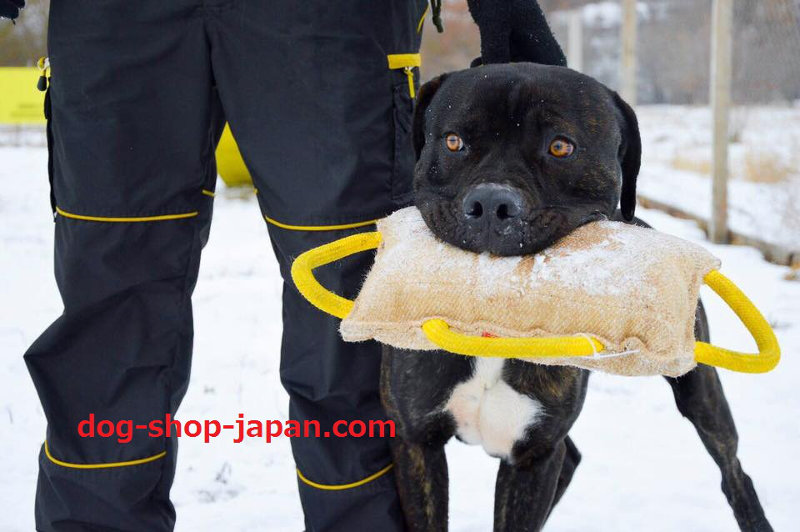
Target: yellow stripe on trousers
{"points": [[102, 465], [345, 486]]}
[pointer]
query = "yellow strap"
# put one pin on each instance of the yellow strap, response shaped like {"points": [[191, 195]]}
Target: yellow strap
{"points": [[306, 283], [769, 352], [422, 18], [126, 219], [765, 360], [407, 62], [410, 75], [102, 465], [439, 332], [404, 60], [336, 487]]}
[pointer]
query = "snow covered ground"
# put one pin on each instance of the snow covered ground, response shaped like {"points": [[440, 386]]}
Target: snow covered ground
{"points": [[644, 468], [764, 185]]}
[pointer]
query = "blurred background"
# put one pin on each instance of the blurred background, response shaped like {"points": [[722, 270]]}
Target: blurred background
{"points": [[716, 86]]}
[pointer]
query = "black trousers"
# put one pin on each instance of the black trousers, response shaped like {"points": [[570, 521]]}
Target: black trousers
{"points": [[138, 96]]}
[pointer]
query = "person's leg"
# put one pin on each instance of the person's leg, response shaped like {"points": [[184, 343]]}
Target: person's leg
{"points": [[132, 109], [323, 123]]}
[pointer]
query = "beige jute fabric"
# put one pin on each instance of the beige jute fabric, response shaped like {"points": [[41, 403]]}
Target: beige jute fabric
{"points": [[634, 289]]}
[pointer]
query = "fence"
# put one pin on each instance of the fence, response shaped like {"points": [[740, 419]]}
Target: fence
{"points": [[718, 88]]}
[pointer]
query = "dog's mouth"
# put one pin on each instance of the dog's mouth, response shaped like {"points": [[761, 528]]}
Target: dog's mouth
{"points": [[527, 234]]}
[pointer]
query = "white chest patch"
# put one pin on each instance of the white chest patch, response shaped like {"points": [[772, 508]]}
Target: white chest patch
{"points": [[489, 412]]}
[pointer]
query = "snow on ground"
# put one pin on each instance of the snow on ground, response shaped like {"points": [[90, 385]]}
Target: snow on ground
{"points": [[643, 466], [764, 191]]}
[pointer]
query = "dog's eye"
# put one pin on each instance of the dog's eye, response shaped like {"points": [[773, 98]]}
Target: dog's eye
{"points": [[453, 142], [561, 148]]}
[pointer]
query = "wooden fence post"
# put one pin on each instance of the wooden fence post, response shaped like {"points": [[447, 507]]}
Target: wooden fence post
{"points": [[628, 81], [721, 64], [575, 39]]}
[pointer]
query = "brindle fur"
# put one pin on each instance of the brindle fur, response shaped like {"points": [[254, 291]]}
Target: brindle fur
{"points": [[416, 385]]}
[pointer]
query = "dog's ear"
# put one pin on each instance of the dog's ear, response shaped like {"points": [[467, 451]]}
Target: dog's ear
{"points": [[424, 97], [630, 156]]}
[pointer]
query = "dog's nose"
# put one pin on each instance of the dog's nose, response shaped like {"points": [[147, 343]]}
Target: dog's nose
{"points": [[492, 203]]}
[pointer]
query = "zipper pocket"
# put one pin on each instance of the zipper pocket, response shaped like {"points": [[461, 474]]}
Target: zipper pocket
{"points": [[406, 62]]}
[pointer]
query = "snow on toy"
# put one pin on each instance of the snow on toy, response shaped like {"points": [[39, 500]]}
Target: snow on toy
{"points": [[610, 296]]}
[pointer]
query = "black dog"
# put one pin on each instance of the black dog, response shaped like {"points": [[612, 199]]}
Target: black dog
{"points": [[512, 158]]}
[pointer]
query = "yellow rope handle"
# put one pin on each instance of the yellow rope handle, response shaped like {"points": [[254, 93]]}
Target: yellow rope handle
{"points": [[769, 352], [439, 332], [307, 284], [766, 359]]}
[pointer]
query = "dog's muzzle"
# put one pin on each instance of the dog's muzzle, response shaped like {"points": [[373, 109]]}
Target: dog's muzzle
{"points": [[492, 213]]}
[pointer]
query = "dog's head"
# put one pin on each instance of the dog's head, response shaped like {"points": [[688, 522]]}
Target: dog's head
{"points": [[513, 157]]}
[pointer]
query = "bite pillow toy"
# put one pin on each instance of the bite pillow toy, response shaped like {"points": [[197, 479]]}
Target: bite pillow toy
{"points": [[610, 296]]}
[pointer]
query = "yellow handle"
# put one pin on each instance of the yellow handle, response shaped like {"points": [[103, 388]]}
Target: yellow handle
{"points": [[307, 284], [439, 332], [769, 352]]}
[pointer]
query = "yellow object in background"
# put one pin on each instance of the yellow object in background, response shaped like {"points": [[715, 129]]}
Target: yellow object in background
{"points": [[230, 165], [21, 102]]}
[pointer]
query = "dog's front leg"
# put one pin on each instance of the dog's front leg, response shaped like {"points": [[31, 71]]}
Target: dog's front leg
{"points": [[420, 464], [422, 483], [526, 490], [700, 399]]}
